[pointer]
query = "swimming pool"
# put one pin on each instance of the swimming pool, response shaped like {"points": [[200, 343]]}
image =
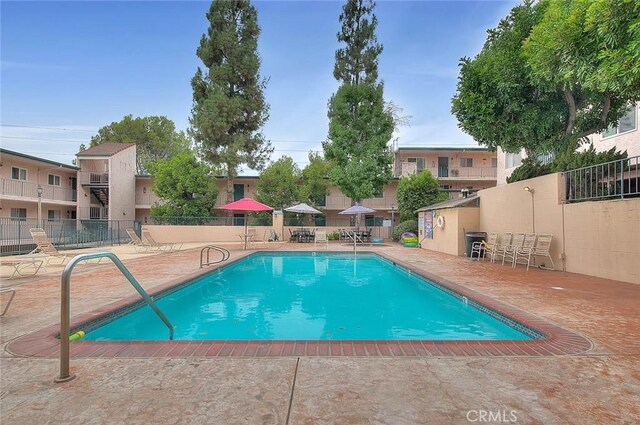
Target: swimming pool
{"points": [[312, 296]]}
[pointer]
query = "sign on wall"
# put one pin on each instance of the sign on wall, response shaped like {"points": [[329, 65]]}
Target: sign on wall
{"points": [[428, 224]]}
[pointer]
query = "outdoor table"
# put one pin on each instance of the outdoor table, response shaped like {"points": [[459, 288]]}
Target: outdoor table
{"points": [[246, 238]]}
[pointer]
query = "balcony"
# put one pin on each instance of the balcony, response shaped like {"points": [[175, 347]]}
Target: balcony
{"points": [[146, 199], [29, 191], [93, 178], [405, 169], [93, 213]]}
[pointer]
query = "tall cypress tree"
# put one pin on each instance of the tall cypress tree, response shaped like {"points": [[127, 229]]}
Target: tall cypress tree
{"points": [[360, 123], [229, 108]]}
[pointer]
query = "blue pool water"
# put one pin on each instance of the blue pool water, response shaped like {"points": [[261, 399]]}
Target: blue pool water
{"points": [[321, 296]]}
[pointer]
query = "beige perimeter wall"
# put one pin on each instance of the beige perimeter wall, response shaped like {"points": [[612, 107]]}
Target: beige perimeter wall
{"points": [[164, 234], [599, 238]]}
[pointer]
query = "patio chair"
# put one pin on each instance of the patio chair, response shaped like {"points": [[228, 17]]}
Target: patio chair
{"points": [[541, 248], [509, 252], [137, 242], [482, 249], [22, 263], [147, 238], [321, 236], [501, 244], [292, 237], [44, 246], [523, 254]]}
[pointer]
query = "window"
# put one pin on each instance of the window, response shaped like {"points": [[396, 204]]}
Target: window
{"points": [[54, 180], [445, 186], [466, 162], [53, 215], [18, 214], [626, 123], [419, 163], [494, 162], [18, 173], [512, 160]]}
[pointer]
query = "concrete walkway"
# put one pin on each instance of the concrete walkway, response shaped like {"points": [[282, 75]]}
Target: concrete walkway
{"points": [[602, 386]]}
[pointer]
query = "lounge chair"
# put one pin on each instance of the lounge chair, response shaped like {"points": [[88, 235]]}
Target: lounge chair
{"points": [[501, 244], [44, 246], [141, 246], [509, 251], [22, 263], [523, 254], [321, 236], [148, 239], [482, 249], [541, 248]]}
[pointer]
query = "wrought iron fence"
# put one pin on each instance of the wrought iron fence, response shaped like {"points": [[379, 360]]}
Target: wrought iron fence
{"points": [[615, 179], [15, 237], [252, 220]]}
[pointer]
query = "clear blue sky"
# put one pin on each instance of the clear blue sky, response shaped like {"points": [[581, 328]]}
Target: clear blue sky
{"points": [[82, 65]]}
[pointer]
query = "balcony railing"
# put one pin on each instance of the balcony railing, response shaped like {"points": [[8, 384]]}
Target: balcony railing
{"points": [[93, 177], [93, 213], [147, 199], [404, 169], [615, 179], [23, 189]]}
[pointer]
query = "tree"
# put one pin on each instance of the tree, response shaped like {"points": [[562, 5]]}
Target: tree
{"points": [[279, 183], [186, 185], [229, 108], [315, 182], [417, 191], [155, 137], [542, 80], [360, 123]]}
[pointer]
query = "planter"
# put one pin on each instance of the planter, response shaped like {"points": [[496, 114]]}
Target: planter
{"points": [[410, 244]]}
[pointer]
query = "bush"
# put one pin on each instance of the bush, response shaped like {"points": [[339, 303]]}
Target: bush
{"points": [[405, 226], [333, 236], [529, 169]]}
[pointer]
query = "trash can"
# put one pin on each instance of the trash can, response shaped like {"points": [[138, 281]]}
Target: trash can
{"points": [[472, 237]]}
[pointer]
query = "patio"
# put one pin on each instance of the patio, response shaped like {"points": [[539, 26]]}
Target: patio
{"points": [[600, 386]]}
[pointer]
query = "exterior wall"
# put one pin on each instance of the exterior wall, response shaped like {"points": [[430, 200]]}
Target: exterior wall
{"points": [[600, 238], [603, 239], [14, 192], [122, 184], [482, 163], [224, 234], [88, 166], [450, 239]]}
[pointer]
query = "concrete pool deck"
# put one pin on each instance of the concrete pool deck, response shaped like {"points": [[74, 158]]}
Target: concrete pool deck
{"points": [[601, 386]]}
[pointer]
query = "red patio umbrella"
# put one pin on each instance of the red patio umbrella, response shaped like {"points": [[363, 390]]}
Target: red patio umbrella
{"points": [[246, 204]]}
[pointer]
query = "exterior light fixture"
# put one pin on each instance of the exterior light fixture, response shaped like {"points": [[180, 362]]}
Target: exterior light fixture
{"points": [[528, 189]]}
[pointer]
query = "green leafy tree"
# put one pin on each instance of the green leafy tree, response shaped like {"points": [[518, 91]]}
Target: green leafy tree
{"points": [[186, 185], [542, 81], [315, 182], [360, 123], [417, 191], [155, 137], [279, 183], [229, 108]]}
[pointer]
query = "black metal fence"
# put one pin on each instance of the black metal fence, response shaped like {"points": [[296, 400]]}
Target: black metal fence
{"points": [[15, 237], [237, 220], [615, 179]]}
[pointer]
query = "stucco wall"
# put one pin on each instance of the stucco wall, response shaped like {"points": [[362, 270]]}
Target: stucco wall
{"points": [[450, 239], [212, 234], [122, 184], [599, 238]]}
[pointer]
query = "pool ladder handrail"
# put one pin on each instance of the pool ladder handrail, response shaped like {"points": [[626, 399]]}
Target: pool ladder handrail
{"points": [[225, 255], [65, 306]]}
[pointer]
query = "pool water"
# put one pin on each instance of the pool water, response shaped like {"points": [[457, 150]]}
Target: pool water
{"points": [[310, 296]]}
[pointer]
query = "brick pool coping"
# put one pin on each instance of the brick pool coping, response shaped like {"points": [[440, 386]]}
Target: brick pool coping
{"points": [[556, 340]]}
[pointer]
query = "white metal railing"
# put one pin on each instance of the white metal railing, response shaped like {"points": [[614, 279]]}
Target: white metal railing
{"points": [[93, 177], [407, 168], [24, 189]]}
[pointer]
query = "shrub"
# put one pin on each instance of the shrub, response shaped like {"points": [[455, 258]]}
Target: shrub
{"points": [[405, 226], [334, 236], [529, 169]]}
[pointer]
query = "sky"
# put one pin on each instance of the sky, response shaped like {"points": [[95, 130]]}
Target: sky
{"points": [[69, 68]]}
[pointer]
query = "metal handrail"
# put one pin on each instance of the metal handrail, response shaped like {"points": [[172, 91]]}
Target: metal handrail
{"points": [[225, 255], [65, 306]]}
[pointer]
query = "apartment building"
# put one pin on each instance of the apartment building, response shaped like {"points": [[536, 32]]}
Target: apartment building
{"points": [[455, 168], [623, 136], [104, 184], [28, 183]]}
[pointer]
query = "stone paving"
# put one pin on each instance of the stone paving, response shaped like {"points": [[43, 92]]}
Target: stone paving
{"points": [[599, 386]]}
